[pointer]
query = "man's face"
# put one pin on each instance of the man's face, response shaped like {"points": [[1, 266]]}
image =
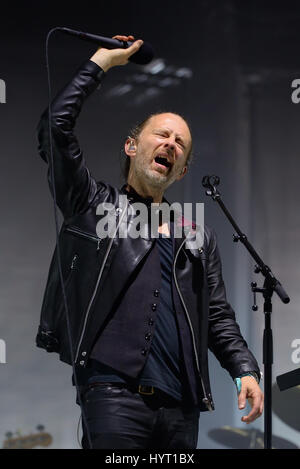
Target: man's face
{"points": [[161, 151]]}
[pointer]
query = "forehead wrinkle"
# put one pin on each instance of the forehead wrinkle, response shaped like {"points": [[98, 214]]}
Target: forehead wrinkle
{"points": [[156, 122], [167, 128], [172, 131]]}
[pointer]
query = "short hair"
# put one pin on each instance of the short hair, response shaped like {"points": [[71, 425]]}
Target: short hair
{"points": [[135, 132]]}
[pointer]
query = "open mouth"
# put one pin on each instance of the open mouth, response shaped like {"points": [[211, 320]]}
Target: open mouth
{"points": [[162, 161]]}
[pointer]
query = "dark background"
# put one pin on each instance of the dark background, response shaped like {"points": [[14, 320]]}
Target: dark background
{"points": [[243, 57]]}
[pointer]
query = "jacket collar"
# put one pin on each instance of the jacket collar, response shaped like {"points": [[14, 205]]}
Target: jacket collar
{"points": [[133, 196], [187, 227]]}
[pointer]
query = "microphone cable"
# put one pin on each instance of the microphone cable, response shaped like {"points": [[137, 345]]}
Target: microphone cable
{"points": [[84, 419]]}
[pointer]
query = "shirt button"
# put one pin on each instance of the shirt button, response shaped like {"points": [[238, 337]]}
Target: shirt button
{"points": [[81, 363], [148, 336], [156, 292], [83, 354], [150, 322], [154, 306], [144, 351]]}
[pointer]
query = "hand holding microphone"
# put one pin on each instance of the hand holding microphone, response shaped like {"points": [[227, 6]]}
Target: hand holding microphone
{"points": [[115, 51], [108, 58]]}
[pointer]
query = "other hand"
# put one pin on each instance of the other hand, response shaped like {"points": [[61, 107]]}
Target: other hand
{"points": [[251, 391]]}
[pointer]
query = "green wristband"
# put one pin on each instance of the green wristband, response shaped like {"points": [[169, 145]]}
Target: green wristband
{"points": [[238, 381]]}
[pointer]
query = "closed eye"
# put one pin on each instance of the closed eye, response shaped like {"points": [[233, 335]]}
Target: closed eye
{"points": [[166, 135], [181, 143], [162, 134]]}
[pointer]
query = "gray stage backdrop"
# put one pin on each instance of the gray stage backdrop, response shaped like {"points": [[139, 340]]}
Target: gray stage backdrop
{"points": [[246, 130]]}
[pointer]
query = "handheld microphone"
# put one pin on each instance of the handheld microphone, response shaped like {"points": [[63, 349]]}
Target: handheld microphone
{"points": [[143, 56]]}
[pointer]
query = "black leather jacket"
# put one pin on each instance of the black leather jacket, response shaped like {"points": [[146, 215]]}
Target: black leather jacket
{"points": [[95, 270]]}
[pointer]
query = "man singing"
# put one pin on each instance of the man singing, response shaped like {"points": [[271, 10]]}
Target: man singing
{"points": [[143, 311]]}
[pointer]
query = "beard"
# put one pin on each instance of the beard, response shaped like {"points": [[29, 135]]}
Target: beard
{"points": [[156, 178]]}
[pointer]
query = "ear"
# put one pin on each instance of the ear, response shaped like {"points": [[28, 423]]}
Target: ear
{"points": [[130, 147], [182, 173]]}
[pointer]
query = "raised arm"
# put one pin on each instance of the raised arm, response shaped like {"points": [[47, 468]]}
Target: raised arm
{"points": [[74, 186]]}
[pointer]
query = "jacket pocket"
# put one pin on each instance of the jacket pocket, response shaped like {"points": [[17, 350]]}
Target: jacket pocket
{"points": [[60, 303], [72, 269], [48, 336], [74, 230]]}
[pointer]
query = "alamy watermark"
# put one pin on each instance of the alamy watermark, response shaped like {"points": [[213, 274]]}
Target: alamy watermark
{"points": [[2, 91], [295, 356], [137, 219], [3, 101], [2, 351], [296, 93]]}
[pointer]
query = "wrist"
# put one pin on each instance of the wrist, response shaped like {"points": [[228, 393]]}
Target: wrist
{"points": [[251, 373], [102, 62], [238, 382]]}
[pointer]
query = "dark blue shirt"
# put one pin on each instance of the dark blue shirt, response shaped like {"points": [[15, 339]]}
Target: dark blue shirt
{"points": [[163, 368]]}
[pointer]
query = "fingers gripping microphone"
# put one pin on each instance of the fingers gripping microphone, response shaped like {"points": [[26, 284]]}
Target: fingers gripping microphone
{"points": [[143, 56]]}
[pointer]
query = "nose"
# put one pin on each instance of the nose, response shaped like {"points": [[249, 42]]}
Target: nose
{"points": [[170, 143]]}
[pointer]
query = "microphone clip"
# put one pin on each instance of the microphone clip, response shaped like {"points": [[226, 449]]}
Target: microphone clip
{"points": [[211, 183]]}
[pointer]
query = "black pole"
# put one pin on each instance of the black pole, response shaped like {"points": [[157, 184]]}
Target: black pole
{"points": [[268, 362], [271, 284]]}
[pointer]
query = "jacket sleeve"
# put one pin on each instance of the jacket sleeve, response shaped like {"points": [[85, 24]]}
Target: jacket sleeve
{"points": [[75, 188], [224, 336]]}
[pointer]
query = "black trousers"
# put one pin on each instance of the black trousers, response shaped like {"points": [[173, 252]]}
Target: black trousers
{"points": [[120, 418]]}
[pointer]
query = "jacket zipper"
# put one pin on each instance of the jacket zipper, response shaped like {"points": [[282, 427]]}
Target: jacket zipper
{"points": [[72, 266], [71, 270], [77, 231], [74, 260], [98, 281], [68, 279], [205, 400]]}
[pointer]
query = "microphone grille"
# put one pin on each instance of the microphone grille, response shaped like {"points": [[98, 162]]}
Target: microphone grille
{"points": [[144, 55]]}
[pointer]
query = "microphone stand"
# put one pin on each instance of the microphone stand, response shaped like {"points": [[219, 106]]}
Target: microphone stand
{"points": [[270, 285]]}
